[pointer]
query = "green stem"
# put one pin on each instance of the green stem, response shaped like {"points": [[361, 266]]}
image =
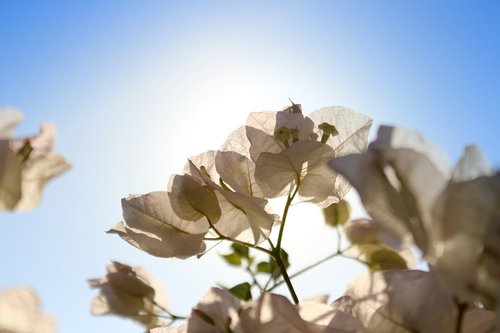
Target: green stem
{"points": [[222, 237], [284, 273], [311, 266], [285, 214]]}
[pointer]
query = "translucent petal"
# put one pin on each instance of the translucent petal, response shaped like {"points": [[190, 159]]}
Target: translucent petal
{"points": [[237, 171], [471, 165], [9, 120]]}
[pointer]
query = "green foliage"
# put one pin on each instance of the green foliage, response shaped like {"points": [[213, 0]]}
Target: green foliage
{"points": [[242, 291], [233, 259], [386, 259], [337, 213]]}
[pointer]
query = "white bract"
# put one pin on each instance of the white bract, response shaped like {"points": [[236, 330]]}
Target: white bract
{"points": [[151, 225], [129, 292]]}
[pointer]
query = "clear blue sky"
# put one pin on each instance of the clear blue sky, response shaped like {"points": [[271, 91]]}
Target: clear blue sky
{"points": [[135, 87]]}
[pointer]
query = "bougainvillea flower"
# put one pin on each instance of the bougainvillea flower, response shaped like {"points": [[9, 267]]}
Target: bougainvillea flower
{"points": [[27, 164], [20, 312], [129, 292], [453, 217]]}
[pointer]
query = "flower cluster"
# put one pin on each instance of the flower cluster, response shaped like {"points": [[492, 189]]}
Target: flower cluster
{"points": [[414, 201], [226, 192]]}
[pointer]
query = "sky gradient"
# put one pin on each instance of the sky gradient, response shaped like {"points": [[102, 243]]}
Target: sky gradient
{"points": [[136, 87]]}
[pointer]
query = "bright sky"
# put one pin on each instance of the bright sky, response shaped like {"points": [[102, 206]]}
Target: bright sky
{"points": [[136, 87]]}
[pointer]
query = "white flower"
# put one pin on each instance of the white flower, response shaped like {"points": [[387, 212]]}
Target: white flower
{"points": [[20, 312], [404, 301], [130, 292], [290, 148], [453, 217], [26, 164]]}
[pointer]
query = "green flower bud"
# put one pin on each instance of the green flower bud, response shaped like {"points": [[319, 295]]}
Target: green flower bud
{"points": [[283, 134], [337, 213], [327, 131]]}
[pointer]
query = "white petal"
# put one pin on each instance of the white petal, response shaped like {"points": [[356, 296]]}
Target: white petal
{"points": [[471, 165], [9, 120], [36, 175], [10, 177], [353, 128], [237, 171], [401, 137]]}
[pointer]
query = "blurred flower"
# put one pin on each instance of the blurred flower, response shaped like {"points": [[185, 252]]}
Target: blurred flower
{"points": [[453, 217], [129, 292], [20, 312], [26, 164], [221, 312], [402, 301]]}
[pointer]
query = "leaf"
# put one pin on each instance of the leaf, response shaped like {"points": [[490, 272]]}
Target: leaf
{"points": [[337, 213], [264, 267], [232, 259], [386, 259], [242, 291], [240, 249]]}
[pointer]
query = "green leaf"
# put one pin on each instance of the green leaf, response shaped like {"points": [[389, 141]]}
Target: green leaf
{"points": [[233, 259], [337, 213], [386, 259], [240, 249], [264, 267], [242, 291]]}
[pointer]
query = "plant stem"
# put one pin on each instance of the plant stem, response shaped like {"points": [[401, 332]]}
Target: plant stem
{"points": [[461, 310], [284, 273], [285, 214], [222, 237]]}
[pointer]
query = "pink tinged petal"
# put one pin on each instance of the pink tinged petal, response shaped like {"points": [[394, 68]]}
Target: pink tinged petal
{"points": [[237, 171], [10, 177], [9, 120], [471, 165]]}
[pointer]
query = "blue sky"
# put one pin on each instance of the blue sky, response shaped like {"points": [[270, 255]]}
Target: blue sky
{"points": [[136, 87]]}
